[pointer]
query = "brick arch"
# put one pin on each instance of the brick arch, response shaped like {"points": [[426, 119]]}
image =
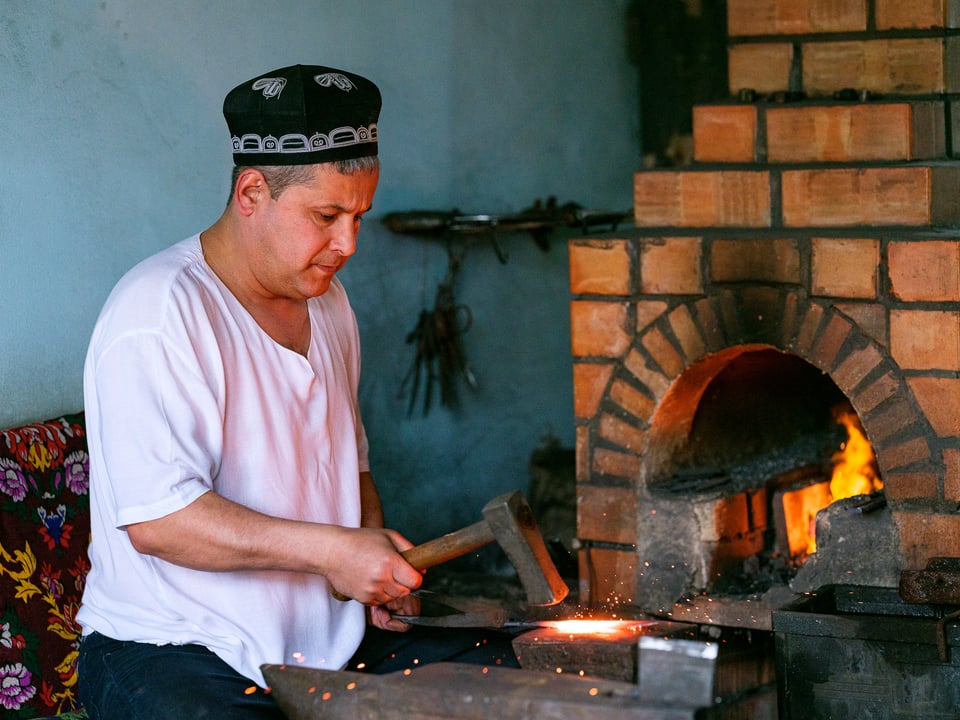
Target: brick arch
{"points": [[640, 418]]}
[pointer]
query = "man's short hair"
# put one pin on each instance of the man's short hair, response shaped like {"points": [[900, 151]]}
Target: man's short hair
{"points": [[280, 177]]}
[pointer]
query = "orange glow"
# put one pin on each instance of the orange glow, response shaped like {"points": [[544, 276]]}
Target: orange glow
{"points": [[800, 507], [854, 465], [854, 473], [596, 627]]}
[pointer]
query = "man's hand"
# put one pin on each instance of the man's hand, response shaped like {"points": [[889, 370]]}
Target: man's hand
{"points": [[370, 568], [381, 616]]}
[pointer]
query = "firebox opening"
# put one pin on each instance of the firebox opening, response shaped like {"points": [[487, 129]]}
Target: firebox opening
{"points": [[764, 413], [751, 440]]}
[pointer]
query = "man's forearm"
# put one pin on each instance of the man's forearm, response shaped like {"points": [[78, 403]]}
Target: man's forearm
{"points": [[371, 511]]}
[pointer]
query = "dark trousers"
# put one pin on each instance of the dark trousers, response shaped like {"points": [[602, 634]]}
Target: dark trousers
{"points": [[383, 652], [139, 681]]}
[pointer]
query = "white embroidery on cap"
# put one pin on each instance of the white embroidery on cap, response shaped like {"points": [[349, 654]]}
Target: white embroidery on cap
{"points": [[272, 87], [336, 79], [298, 143]]}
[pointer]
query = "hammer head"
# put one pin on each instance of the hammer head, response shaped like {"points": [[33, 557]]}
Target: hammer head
{"points": [[511, 521]]}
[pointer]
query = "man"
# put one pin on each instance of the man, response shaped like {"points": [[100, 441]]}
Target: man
{"points": [[230, 487]]}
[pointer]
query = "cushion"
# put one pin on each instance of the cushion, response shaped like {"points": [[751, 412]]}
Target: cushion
{"points": [[44, 532]]}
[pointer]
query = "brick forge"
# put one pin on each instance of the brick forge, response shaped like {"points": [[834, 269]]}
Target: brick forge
{"points": [[816, 242]]}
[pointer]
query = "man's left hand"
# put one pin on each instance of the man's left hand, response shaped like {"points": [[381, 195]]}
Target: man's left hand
{"points": [[381, 616]]}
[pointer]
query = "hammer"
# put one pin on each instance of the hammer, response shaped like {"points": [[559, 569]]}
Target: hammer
{"points": [[509, 520]]}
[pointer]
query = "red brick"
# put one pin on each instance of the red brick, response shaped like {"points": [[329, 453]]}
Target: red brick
{"points": [[774, 260], [908, 14], [621, 433], [583, 453], [902, 454], [890, 420], [671, 266], [653, 380], [828, 344], [618, 464], [951, 481], [606, 514], [711, 326], [724, 133], [871, 318], [860, 132], [939, 398], [599, 328], [607, 576], [632, 400], [663, 352], [925, 535], [687, 333], [808, 330], [925, 339], [887, 66], [761, 309], [648, 311], [795, 17], [911, 486], [600, 267], [730, 312], [855, 367], [589, 384], [875, 393], [914, 195], [843, 267], [925, 271], [788, 322], [764, 67], [700, 198]]}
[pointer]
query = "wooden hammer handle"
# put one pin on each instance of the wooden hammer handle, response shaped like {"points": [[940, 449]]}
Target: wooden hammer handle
{"points": [[449, 546]]}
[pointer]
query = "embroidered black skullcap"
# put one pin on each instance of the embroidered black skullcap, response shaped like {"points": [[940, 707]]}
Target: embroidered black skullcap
{"points": [[302, 114]]}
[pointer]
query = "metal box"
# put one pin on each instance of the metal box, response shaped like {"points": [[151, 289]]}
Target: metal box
{"points": [[847, 653]]}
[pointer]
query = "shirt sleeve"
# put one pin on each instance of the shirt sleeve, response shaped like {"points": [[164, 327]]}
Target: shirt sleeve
{"points": [[160, 428]]}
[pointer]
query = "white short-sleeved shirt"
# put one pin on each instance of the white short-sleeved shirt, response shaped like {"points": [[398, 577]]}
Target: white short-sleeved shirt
{"points": [[184, 393]]}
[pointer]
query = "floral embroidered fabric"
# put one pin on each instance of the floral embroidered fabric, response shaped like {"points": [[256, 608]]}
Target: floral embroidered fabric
{"points": [[44, 531]]}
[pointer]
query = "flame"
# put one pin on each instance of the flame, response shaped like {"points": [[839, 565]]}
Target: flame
{"points": [[854, 465], [854, 473], [801, 507]]}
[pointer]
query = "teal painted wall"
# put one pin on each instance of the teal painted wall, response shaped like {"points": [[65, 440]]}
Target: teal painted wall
{"points": [[113, 146]]}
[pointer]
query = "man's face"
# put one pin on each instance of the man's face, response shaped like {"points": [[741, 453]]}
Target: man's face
{"points": [[308, 233]]}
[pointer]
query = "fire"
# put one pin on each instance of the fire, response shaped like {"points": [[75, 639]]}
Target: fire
{"points": [[854, 465], [854, 473]]}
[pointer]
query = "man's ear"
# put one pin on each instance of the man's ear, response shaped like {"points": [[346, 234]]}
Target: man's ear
{"points": [[250, 190]]}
